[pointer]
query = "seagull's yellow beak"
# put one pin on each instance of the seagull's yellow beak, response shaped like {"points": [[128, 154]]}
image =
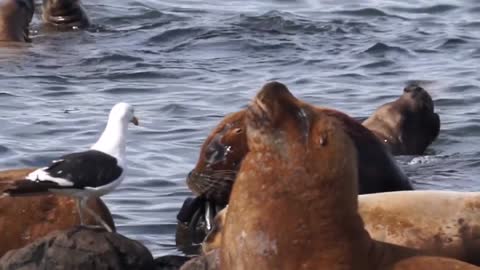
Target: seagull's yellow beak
{"points": [[134, 121]]}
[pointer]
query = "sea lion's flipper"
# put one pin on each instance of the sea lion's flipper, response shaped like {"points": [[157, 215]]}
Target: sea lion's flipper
{"points": [[189, 208], [210, 213]]}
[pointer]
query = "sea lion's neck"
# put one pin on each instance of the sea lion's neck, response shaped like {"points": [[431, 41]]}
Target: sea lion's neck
{"points": [[340, 231], [305, 223]]}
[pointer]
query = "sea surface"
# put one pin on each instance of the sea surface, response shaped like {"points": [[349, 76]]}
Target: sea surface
{"points": [[184, 64]]}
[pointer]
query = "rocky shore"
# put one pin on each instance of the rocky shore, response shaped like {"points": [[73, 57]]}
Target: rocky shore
{"points": [[42, 232]]}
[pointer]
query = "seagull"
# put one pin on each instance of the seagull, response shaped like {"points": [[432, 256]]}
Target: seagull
{"points": [[91, 173]]}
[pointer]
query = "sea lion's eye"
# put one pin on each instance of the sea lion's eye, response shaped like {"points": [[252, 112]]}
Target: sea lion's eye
{"points": [[215, 153], [237, 131]]}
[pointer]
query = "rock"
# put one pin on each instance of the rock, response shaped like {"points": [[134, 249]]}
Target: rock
{"points": [[170, 262], [207, 261], [25, 219], [80, 248]]}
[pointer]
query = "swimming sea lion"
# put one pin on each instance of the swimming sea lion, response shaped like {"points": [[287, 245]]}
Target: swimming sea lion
{"points": [[15, 18], [64, 14], [224, 149], [408, 125], [294, 203], [444, 223], [25, 219]]}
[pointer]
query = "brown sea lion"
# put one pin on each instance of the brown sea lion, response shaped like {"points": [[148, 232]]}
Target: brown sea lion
{"points": [[224, 149], [294, 203], [219, 160], [25, 219], [408, 125], [444, 223], [15, 18], [64, 14]]}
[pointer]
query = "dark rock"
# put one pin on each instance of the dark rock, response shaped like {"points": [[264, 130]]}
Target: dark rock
{"points": [[80, 248], [170, 262], [209, 261]]}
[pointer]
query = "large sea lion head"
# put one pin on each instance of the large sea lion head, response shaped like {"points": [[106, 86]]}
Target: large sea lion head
{"points": [[296, 189], [275, 111], [302, 136], [310, 143], [219, 159], [15, 18], [64, 14]]}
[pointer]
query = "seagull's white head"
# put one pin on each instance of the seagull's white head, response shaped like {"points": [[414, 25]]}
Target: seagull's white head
{"points": [[113, 139], [123, 112]]}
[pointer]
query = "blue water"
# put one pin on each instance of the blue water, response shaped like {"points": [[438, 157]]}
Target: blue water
{"points": [[185, 64]]}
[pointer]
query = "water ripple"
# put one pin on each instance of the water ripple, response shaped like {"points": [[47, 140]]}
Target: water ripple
{"points": [[367, 12], [380, 48], [435, 9]]}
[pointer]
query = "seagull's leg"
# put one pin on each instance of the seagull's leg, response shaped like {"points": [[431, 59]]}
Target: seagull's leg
{"points": [[79, 209], [95, 216]]}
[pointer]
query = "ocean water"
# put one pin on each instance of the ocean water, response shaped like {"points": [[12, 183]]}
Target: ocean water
{"points": [[186, 63]]}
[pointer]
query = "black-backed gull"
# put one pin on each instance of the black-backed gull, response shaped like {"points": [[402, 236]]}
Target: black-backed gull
{"points": [[86, 174]]}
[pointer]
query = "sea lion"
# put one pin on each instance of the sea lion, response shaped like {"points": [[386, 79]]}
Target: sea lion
{"points": [[224, 149], [25, 219], [444, 223], [15, 18], [219, 160], [64, 14], [408, 125], [294, 203]]}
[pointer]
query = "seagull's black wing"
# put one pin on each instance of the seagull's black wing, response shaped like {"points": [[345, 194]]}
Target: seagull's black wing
{"points": [[90, 168]]}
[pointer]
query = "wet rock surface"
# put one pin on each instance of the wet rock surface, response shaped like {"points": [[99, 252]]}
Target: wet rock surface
{"points": [[170, 262], [80, 248]]}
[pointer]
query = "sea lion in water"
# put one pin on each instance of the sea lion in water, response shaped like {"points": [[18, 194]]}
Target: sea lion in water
{"points": [[64, 14], [294, 203], [408, 125], [224, 149], [444, 223], [15, 18]]}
